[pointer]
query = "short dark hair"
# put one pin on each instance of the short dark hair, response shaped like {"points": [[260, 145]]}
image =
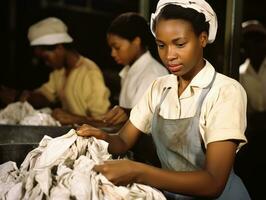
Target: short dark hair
{"points": [[131, 25], [197, 19]]}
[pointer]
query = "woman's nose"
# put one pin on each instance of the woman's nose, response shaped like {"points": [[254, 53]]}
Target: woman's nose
{"points": [[171, 53], [113, 53]]}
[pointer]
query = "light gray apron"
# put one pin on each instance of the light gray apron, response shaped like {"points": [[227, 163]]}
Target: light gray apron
{"points": [[180, 147]]}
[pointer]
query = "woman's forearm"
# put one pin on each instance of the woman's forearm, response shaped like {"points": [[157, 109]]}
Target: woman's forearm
{"points": [[197, 183]]}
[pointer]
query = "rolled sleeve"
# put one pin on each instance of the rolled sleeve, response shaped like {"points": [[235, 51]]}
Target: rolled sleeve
{"points": [[141, 114], [226, 119]]}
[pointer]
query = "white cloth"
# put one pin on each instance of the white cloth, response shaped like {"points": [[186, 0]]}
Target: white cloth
{"points": [[8, 175], [136, 79], [24, 114], [61, 168], [199, 5], [254, 84], [223, 112]]}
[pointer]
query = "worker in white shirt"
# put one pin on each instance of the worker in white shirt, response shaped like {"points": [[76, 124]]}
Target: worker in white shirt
{"points": [[252, 73], [130, 38]]}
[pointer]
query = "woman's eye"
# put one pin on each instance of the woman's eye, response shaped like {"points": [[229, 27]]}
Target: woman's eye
{"points": [[180, 44], [160, 46], [116, 48]]}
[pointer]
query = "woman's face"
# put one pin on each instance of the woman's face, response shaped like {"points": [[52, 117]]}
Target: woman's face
{"points": [[123, 51], [180, 49], [53, 58]]}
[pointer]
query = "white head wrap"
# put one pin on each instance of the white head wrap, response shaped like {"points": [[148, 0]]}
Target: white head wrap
{"points": [[48, 31], [199, 5]]}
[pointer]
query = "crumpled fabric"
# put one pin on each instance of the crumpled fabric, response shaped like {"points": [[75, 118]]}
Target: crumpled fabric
{"points": [[61, 168], [8, 176], [24, 114]]}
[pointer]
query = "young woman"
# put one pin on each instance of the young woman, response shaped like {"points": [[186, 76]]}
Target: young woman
{"points": [[197, 116], [130, 39]]}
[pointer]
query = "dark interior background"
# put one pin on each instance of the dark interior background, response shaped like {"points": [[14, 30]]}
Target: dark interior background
{"points": [[87, 21]]}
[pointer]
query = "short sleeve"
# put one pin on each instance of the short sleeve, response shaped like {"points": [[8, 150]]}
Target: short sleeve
{"points": [[225, 116], [142, 112]]}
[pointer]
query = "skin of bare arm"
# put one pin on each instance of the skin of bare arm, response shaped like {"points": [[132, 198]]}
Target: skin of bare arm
{"points": [[118, 143], [208, 182], [67, 118]]}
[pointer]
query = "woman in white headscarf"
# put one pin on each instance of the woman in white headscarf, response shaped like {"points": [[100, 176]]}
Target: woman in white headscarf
{"points": [[197, 116]]}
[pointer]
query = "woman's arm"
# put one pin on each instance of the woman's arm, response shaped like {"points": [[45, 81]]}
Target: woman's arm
{"points": [[118, 143], [208, 182]]}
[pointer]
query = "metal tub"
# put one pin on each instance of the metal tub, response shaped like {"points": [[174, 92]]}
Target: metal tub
{"points": [[16, 141]]}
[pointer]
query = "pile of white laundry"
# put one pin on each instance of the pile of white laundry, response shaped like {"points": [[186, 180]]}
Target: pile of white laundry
{"points": [[24, 114], [61, 168]]}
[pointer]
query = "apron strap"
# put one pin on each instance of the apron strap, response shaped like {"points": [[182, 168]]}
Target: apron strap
{"points": [[165, 92], [203, 94]]}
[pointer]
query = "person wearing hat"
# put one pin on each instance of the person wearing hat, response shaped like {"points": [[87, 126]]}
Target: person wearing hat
{"points": [[76, 82], [196, 115], [252, 73]]}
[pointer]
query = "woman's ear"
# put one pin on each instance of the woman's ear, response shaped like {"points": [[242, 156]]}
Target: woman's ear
{"points": [[137, 41], [203, 39]]}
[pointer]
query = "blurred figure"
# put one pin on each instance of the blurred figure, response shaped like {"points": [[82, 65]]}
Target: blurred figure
{"points": [[253, 71], [252, 75], [130, 38], [76, 82]]}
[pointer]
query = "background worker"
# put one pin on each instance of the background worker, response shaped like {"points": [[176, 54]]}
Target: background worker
{"points": [[252, 73], [130, 40], [76, 82]]}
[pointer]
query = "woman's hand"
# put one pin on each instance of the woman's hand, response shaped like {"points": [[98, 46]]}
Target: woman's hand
{"points": [[86, 131], [115, 116], [119, 172]]}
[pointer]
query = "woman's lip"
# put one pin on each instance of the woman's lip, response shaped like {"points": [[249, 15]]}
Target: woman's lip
{"points": [[118, 61], [174, 68]]}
